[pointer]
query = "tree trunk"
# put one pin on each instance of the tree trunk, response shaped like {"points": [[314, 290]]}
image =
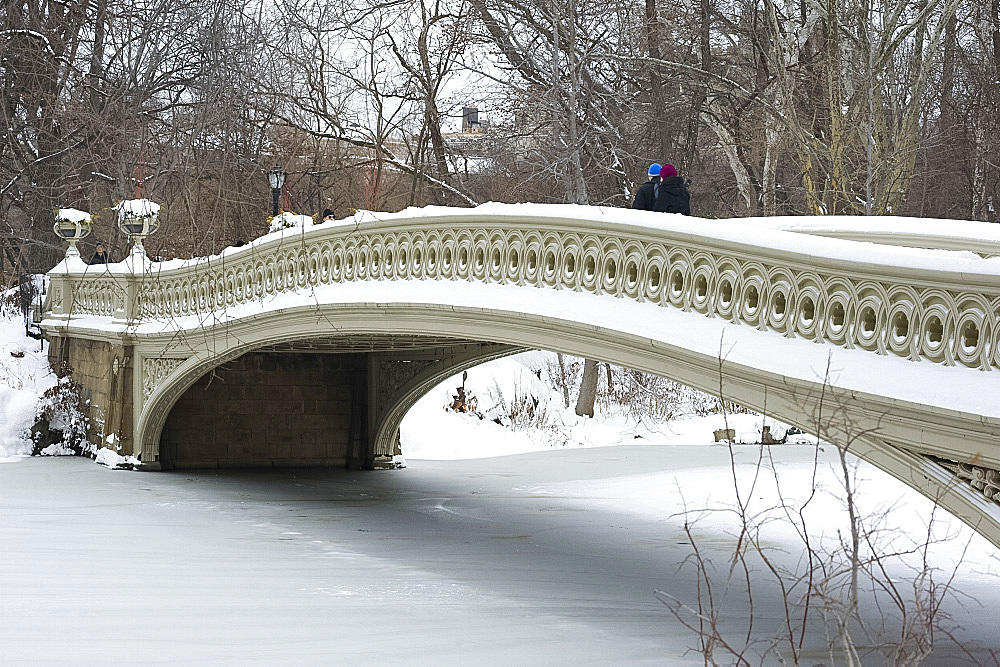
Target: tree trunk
{"points": [[769, 177], [578, 186], [837, 173], [744, 184], [556, 104], [948, 79], [657, 96], [978, 205], [588, 390], [562, 378], [995, 21], [701, 93]]}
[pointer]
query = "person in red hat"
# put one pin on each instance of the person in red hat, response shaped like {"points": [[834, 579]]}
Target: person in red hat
{"points": [[672, 196]]}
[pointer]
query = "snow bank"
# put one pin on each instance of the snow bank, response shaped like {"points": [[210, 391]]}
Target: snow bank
{"points": [[22, 379], [289, 221], [112, 459], [432, 432], [24, 376]]}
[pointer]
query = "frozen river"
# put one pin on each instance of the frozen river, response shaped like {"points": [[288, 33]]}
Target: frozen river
{"points": [[545, 558]]}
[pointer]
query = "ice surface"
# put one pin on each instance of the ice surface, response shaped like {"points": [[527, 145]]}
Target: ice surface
{"points": [[547, 557]]}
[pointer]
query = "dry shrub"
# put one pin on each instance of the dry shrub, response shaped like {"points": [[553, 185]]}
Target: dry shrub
{"points": [[62, 419]]}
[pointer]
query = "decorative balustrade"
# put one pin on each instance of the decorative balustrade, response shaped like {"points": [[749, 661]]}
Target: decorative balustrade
{"points": [[943, 316], [99, 296]]}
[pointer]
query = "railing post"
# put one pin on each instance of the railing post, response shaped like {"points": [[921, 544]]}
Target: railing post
{"points": [[59, 303], [125, 301]]}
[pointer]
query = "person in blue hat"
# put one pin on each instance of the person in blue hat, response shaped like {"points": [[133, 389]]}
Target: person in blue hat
{"points": [[645, 197]]}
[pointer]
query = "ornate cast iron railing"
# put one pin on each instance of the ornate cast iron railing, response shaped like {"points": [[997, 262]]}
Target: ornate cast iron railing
{"points": [[790, 284]]}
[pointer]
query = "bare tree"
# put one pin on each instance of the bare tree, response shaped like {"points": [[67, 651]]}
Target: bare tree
{"points": [[40, 71], [848, 589], [111, 99]]}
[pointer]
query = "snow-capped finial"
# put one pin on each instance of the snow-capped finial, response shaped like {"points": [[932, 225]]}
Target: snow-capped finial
{"points": [[289, 220], [138, 218], [72, 225]]}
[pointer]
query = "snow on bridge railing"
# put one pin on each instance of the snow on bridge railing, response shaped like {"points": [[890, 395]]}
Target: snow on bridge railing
{"points": [[935, 305], [980, 238]]}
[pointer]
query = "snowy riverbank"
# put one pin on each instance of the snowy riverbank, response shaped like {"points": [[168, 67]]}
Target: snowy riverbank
{"points": [[24, 376]]}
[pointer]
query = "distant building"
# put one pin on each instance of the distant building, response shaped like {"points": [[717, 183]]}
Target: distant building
{"points": [[470, 120], [467, 147]]}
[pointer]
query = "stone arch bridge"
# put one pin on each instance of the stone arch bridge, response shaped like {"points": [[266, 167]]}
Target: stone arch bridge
{"points": [[308, 346]]}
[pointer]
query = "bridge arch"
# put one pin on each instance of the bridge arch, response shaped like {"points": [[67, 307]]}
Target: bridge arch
{"points": [[489, 333], [425, 361]]}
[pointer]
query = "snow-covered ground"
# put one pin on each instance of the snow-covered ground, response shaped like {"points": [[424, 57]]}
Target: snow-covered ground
{"points": [[429, 431], [24, 375], [544, 540]]}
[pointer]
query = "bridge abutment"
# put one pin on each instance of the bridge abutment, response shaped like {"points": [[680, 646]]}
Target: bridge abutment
{"points": [[103, 371]]}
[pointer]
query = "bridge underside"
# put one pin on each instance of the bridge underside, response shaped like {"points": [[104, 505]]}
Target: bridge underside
{"points": [[330, 401], [269, 409], [315, 401]]}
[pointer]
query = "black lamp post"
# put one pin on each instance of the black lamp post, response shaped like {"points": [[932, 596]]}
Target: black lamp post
{"points": [[277, 178]]}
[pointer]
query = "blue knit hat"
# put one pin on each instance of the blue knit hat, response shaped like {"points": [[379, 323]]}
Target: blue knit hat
{"points": [[654, 169]]}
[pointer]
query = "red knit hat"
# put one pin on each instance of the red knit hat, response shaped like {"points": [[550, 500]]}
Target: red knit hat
{"points": [[668, 170]]}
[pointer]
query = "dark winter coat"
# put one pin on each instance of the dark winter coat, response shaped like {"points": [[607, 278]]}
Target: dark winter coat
{"points": [[673, 196], [645, 196], [99, 259]]}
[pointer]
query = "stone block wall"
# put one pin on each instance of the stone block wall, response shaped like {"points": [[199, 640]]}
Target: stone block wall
{"points": [[103, 370], [265, 409]]}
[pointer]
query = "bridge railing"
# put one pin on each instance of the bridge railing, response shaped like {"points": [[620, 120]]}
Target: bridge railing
{"points": [[929, 305]]}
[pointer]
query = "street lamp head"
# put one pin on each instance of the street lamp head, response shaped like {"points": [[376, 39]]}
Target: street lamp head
{"points": [[277, 178]]}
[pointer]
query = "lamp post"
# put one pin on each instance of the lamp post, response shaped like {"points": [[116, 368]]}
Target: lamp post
{"points": [[277, 178]]}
